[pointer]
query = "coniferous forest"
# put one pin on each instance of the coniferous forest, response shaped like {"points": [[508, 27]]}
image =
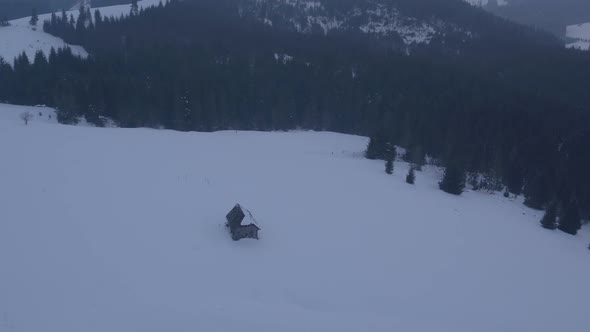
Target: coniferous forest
{"points": [[517, 110]]}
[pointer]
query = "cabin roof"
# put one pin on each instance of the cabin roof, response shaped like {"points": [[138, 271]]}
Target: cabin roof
{"points": [[246, 217]]}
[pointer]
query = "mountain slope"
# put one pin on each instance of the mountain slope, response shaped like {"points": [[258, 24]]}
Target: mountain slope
{"points": [[369, 17], [551, 15], [581, 34], [13, 9], [402, 22], [20, 36], [123, 230]]}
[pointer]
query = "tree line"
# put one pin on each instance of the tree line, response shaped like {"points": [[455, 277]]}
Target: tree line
{"points": [[200, 66]]}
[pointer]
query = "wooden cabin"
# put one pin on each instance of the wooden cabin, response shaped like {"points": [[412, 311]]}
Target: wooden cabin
{"points": [[235, 217]]}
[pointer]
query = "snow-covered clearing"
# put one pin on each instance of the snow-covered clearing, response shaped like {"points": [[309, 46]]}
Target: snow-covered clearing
{"points": [[482, 3], [20, 36], [581, 32], [123, 230]]}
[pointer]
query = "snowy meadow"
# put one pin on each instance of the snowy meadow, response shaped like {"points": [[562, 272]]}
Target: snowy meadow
{"points": [[123, 230]]}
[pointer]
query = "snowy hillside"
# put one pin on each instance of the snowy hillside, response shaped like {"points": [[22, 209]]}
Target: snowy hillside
{"points": [[581, 32], [20, 36], [485, 2], [374, 17], [554, 16], [123, 230], [40, 114]]}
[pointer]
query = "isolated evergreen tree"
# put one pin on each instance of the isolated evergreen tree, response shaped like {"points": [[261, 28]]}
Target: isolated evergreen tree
{"points": [[389, 166], [569, 220], [34, 17], [411, 177], [549, 220], [389, 153], [453, 181]]}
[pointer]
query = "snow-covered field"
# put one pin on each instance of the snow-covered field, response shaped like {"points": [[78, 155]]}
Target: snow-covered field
{"points": [[581, 32], [485, 2], [123, 230], [20, 36]]}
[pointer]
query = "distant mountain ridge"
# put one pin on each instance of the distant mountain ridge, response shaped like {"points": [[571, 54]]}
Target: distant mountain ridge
{"points": [[402, 23], [13, 9], [551, 15], [372, 17]]}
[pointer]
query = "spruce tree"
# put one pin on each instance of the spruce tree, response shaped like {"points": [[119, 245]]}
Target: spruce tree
{"points": [[389, 166], [134, 8], [34, 17], [411, 177], [549, 220], [569, 220], [390, 154], [84, 18], [97, 18], [453, 181]]}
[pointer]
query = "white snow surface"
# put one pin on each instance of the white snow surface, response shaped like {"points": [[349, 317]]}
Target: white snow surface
{"points": [[482, 3], [105, 229], [580, 45], [581, 32], [20, 36]]}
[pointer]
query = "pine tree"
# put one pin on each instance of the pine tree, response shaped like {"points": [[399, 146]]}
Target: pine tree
{"points": [[453, 181], [34, 17], [549, 220], [411, 177], [389, 166], [83, 18], [97, 18], [134, 8], [389, 154], [570, 220]]}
